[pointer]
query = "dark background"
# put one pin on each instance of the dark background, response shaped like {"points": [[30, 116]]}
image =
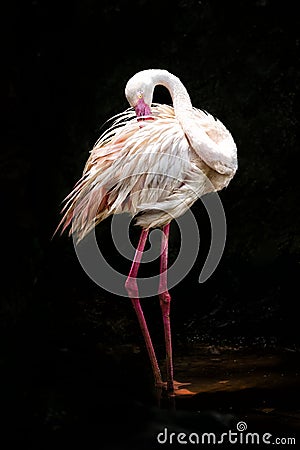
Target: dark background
{"points": [[67, 347]]}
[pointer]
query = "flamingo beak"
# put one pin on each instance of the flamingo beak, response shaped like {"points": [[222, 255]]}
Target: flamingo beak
{"points": [[142, 109]]}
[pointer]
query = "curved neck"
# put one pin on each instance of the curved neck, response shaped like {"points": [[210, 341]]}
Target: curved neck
{"points": [[180, 97]]}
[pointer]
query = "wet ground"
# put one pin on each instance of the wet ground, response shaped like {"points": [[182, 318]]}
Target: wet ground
{"points": [[259, 386], [106, 395], [255, 387], [245, 389]]}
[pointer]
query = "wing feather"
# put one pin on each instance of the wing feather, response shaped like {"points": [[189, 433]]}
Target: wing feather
{"points": [[211, 141], [155, 169]]}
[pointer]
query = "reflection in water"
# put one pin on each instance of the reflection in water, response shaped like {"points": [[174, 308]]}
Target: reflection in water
{"points": [[259, 385], [105, 394]]}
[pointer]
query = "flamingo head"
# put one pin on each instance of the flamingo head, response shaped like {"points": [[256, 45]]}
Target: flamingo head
{"points": [[139, 93]]}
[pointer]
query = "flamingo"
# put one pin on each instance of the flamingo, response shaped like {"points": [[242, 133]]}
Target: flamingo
{"points": [[153, 162]]}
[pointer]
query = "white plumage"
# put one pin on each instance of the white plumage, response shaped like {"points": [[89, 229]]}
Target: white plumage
{"points": [[155, 168]]}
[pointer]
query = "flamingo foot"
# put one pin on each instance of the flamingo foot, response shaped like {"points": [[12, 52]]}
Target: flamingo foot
{"points": [[177, 388], [183, 392]]}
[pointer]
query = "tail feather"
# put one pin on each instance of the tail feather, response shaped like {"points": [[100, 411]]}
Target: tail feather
{"points": [[87, 204]]}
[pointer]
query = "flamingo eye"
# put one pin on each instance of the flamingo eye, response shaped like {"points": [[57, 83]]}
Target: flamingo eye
{"points": [[140, 95]]}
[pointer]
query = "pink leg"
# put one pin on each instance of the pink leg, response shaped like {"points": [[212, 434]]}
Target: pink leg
{"points": [[132, 289], [165, 300]]}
